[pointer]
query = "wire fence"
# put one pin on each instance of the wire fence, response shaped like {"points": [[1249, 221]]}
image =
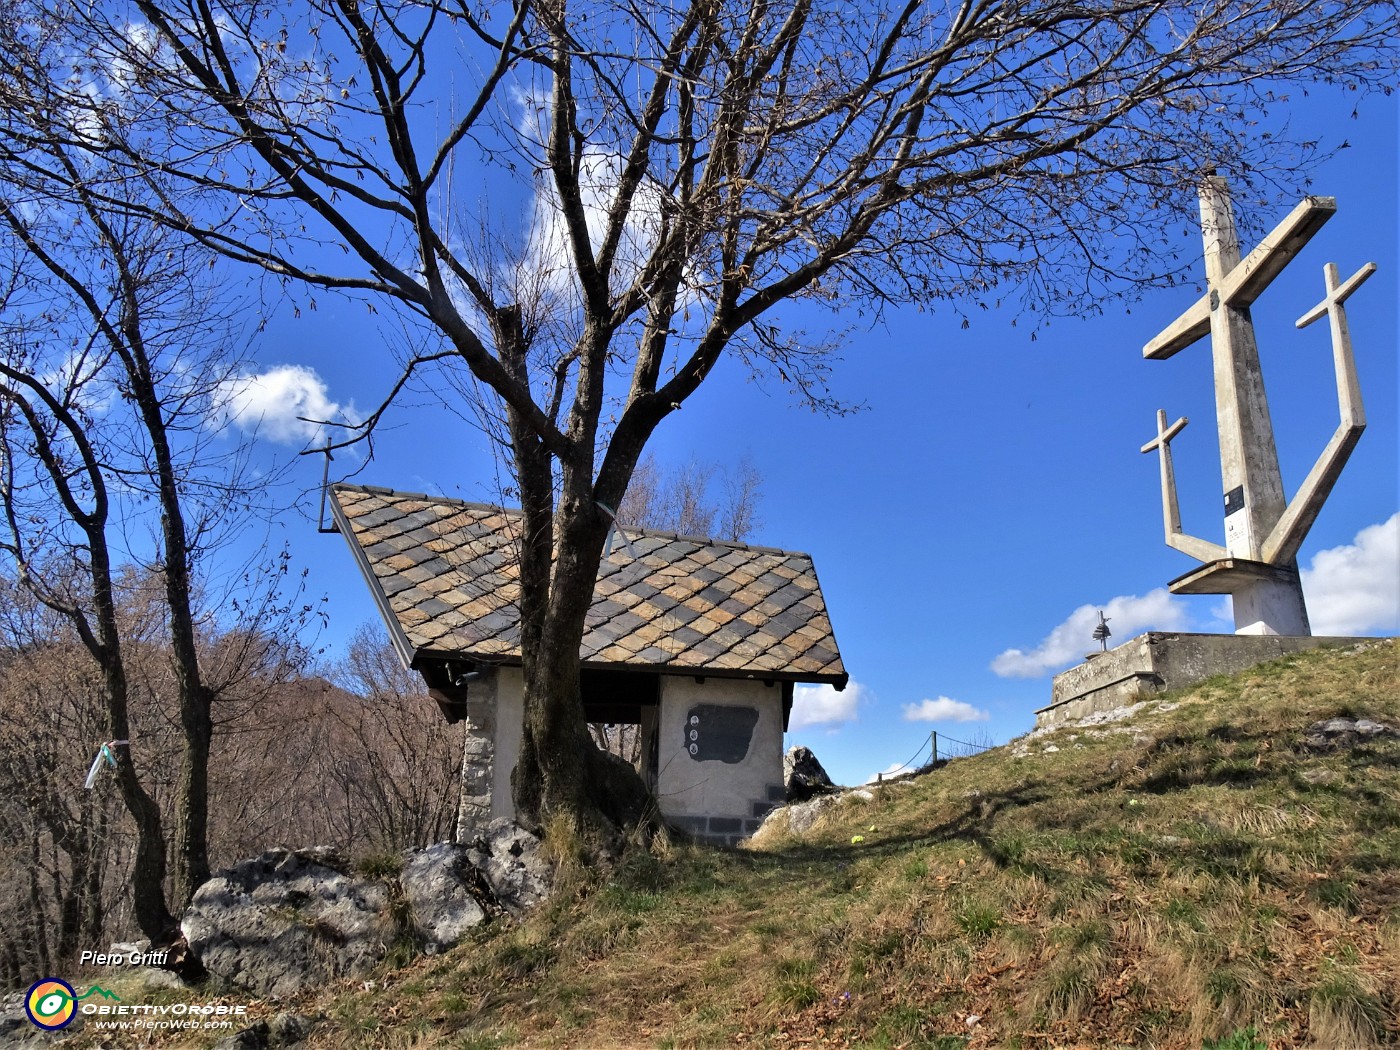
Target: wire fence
{"points": [[931, 746]]}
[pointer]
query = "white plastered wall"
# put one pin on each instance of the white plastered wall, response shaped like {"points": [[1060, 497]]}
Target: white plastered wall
{"points": [[690, 788], [715, 799], [510, 719]]}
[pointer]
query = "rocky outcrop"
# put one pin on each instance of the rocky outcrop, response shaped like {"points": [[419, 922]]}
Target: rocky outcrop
{"points": [[803, 775], [446, 894], [514, 865], [282, 1030], [289, 919], [1335, 734], [292, 919], [800, 816], [16, 1030]]}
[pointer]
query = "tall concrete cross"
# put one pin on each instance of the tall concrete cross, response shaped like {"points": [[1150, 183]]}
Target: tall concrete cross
{"points": [[1258, 565]]}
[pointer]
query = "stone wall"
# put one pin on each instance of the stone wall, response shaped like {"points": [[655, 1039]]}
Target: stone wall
{"points": [[478, 760], [1156, 662]]}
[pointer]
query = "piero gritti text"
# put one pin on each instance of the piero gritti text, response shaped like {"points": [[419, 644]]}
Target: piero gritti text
{"points": [[152, 958]]}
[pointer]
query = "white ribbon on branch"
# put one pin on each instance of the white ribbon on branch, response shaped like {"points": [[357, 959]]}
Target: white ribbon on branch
{"points": [[105, 751]]}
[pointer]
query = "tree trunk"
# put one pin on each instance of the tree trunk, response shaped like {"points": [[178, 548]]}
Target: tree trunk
{"points": [[561, 771], [94, 911], [148, 907], [191, 845], [148, 904], [191, 850]]}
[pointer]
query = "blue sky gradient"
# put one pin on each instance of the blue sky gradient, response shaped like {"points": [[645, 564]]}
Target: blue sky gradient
{"points": [[990, 487]]}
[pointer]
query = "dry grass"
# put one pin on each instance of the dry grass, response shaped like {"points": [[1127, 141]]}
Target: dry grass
{"points": [[1201, 881]]}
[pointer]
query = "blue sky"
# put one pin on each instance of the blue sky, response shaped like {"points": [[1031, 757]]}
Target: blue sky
{"points": [[990, 494]]}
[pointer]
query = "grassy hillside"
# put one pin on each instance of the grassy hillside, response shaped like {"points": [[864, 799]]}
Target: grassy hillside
{"points": [[1192, 877]]}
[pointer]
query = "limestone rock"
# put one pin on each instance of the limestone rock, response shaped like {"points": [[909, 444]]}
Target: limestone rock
{"points": [[445, 893], [288, 920], [290, 1029], [514, 865], [293, 919], [1336, 733], [257, 1036], [282, 1030], [796, 818], [152, 979], [16, 1030], [803, 775]]}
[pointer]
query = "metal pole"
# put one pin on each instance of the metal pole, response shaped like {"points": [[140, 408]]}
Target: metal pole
{"points": [[325, 485]]}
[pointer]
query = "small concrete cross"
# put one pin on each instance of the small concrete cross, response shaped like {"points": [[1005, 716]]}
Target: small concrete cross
{"points": [[1287, 535], [1165, 433], [1202, 550], [1336, 296]]}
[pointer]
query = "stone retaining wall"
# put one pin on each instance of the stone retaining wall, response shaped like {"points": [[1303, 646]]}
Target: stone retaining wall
{"points": [[1158, 661]]}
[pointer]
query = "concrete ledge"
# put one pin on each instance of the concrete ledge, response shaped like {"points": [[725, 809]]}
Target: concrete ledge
{"points": [[1156, 662], [1228, 575]]}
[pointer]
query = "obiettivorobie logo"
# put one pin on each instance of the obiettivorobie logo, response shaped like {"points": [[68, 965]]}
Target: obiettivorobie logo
{"points": [[51, 1003]]}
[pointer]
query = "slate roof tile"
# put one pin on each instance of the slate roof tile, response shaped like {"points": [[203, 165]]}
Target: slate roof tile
{"points": [[448, 571], [704, 625], [685, 637], [684, 613], [712, 596], [769, 608], [733, 607]]}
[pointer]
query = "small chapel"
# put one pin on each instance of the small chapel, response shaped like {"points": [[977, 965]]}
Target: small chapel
{"points": [[697, 643]]}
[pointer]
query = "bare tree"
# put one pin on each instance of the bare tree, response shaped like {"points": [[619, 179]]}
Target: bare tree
{"points": [[690, 166], [362, 762], [66, 851], [691, 501], [109, 371], [56, 849], [398, 763]]}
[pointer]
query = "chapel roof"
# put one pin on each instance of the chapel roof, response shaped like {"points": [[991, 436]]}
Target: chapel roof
{"points": [[446, 579]]}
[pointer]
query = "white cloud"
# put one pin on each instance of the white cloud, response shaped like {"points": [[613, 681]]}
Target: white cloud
{"points": [[944, 709], [822, 705], [276, 404], [78, 378], [550, 251], [548, 261], [1066, 644], [1222, 614], [1355, 588]]}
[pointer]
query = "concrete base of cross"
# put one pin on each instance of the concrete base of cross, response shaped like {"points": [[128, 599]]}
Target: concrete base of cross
{"points": [[1156, 662], [1267, 599]]}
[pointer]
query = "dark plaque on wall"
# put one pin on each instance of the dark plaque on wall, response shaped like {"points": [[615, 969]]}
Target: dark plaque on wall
{"points": [[1234, 500], [718, 733]]}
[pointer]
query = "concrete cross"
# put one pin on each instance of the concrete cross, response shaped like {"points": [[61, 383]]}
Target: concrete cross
{"points": [[1258, 564], [1201, 550]]}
